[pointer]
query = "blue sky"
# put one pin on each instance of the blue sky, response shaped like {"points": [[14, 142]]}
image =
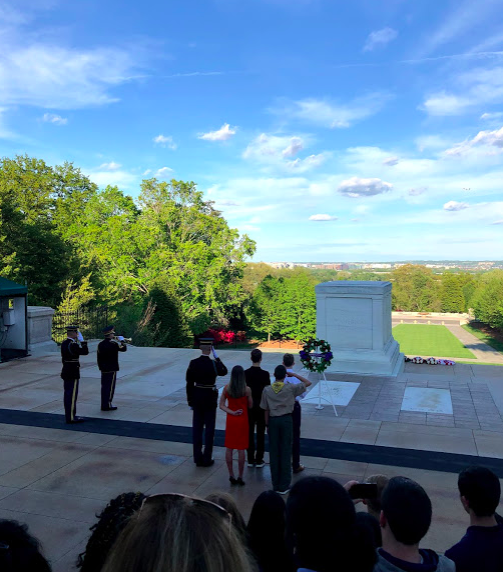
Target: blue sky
{"points": [[326, 130]]}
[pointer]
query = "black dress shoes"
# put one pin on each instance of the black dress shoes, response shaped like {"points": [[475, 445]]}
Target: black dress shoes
{"points": [[108, 408], [206, 463], [76, 420]]}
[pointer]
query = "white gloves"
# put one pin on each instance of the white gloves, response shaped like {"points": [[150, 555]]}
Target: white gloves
{"points": [[214, 352], [120, 338], [80, 337]]}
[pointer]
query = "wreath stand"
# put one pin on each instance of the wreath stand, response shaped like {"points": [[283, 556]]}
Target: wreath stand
{"points": [[323, 380]]}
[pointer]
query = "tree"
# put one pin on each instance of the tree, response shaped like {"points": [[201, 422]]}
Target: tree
{"points": [[298, 306], [451, 293], [32, 250], [415, 289], [487, 299], [264, 312]]}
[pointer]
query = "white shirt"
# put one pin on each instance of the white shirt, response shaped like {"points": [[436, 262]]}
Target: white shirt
{"points": [[294, 380]]}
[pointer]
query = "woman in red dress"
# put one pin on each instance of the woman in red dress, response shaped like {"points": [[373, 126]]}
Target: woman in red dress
{"points": [[238, 397]]}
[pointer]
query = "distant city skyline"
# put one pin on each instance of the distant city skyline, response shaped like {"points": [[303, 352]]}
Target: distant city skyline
{"points": [[358, 130]]}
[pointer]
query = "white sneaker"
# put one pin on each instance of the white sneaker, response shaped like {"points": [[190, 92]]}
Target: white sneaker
{"points": [[251, 464], [260, 465], [284, 492]]}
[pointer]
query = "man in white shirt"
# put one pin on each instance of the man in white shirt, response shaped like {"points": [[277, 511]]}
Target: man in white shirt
{"points": [[289, 362]]}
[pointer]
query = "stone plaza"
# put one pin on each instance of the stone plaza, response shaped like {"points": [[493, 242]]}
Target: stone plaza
{"points": [[428, 422]]}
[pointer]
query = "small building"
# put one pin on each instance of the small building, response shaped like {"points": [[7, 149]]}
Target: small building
{"points": [[13, 320]]}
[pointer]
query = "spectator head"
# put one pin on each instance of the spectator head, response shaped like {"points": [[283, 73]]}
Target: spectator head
{"points": [[256, 355], [168, 528], [19, 550], [321, 528], [480, 491], [366, 521], [266, 519], [280, 372], [111, 522], [288, 360], [406, 511], [227, 502], [237, 384], [205, 349], [374, 505]]}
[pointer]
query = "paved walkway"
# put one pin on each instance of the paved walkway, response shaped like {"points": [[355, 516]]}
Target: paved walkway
{"points": [[56, 479], [480, 349]]}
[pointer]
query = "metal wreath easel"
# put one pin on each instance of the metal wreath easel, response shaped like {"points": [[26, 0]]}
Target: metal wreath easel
{"points": [[323, 380]]}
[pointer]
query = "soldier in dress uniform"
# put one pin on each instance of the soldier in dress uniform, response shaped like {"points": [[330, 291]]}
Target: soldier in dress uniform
{"points": [[73, 347], [108, 362], [202, 397]]}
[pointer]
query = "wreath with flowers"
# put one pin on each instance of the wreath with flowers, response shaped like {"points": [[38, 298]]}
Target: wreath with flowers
{"points": [[316, 355]]}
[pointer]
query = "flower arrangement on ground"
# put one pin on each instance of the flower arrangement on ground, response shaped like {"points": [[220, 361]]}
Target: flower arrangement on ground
{"points": [[313, 360]]}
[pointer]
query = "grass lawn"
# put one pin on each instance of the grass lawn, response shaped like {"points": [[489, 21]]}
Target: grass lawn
{"points": [[487, 338], [425, 340]]}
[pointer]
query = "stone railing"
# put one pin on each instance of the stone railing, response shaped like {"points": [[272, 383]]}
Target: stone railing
{"points": [[40, 330]]}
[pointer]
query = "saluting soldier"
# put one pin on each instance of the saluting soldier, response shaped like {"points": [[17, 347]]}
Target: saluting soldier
{"points": [[108, 362], [71, 349], [202, 396]]}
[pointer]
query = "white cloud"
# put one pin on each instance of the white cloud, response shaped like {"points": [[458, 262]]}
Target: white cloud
{"points": [[379, 38], [147, 172], [322, 217], [417, 192], [110, 166], [498, 222], [227, 203], [482, 139], [391, 161], [455, 206], [490, 116], [275, 151], [358, 187], [163, 173], [443, 103], [477, 87], [332, 114], [122, 179], [53, 118], [165, 141], [223, 134]]}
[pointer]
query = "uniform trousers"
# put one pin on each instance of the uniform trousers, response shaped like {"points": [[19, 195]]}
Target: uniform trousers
{"points": [[108, 379], [203, 419], [280, 451], [71, 387], [296, 416], [256, 418]]}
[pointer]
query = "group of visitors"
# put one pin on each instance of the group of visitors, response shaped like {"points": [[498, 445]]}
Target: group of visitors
{"points": [[253, 405], [316, 530]]}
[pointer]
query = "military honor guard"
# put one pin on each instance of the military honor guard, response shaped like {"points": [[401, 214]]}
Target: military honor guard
{"points": [[71, 349], [202, 397], [108, 363]]}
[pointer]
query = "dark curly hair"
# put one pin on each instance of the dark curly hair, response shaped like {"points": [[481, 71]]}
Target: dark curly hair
{"points": [[112, 521]]}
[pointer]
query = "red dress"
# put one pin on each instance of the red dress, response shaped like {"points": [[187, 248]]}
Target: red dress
{"points": [[236, 426]]}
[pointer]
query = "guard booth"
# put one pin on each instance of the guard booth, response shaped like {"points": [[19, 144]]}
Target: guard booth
{"points": [[13, 320]]}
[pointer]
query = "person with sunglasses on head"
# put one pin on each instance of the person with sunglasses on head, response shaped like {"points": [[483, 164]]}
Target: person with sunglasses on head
{"points": [[178, 533]]}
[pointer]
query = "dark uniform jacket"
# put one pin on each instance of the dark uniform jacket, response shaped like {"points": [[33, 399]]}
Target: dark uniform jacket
{"points": [[70, 352], [108, 355], [201, 376]]}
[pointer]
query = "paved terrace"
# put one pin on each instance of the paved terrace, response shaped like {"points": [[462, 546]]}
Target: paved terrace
{"points": [[56, 477]]}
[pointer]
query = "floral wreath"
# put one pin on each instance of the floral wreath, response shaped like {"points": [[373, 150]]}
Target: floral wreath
{"points": [[316, 361]]}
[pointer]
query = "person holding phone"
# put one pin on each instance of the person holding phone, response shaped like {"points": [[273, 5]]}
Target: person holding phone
{"points": [[235, 400], [71, 349], [202, 397]]}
